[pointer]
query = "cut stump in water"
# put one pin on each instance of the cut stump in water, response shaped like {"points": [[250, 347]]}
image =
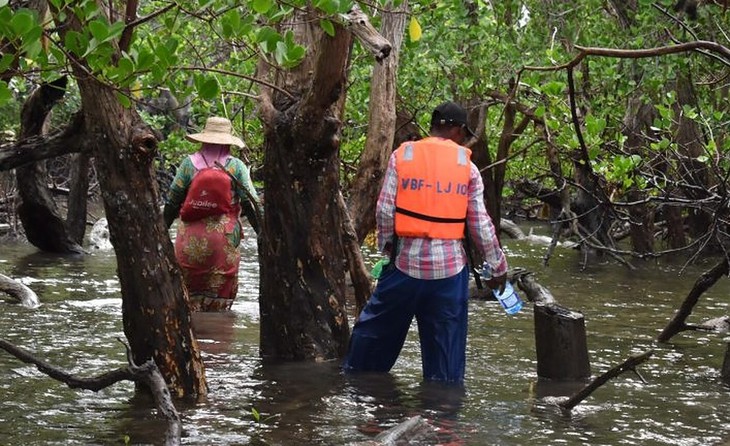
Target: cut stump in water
{"points": [[560, 343]]}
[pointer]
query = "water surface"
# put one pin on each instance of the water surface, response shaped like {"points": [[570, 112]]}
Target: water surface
{"points": [[683, 402]]}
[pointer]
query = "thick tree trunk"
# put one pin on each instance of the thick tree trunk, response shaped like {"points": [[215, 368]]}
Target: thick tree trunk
{"points": [[43, 224], [154, 306], [155, 312], [302, 274], [302, 288]]}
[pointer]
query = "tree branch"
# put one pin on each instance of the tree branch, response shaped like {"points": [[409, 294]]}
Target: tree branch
{"points": [[24, 295], [38, 148], [147, 373], [628, 365], [584, 52]]}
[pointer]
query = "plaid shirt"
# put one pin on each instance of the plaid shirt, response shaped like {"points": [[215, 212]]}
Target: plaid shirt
{"points": [[431, 259]]}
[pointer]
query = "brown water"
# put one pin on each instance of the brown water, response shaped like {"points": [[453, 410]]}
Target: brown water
{"points": [[682, 403]]}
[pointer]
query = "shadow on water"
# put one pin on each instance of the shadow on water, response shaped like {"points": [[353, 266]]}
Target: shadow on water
{"points": [[251, 403]]}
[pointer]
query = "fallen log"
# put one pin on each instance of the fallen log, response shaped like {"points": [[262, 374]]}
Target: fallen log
{"points": [[534, 292], [715, 325], [147, 373], [24, 295], [629, 364]]}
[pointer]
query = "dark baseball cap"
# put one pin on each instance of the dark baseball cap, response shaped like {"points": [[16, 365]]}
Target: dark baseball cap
{"points": [[451, 113]]}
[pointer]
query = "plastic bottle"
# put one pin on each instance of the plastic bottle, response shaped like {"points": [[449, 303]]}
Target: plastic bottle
{"points": [[509, 299]]}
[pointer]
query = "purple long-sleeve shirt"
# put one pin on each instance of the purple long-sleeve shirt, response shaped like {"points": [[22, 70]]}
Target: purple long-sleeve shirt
{"points": [[423, 258]]}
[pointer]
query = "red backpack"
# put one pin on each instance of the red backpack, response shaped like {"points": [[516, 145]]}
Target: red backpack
{"points": [[209, 194]]}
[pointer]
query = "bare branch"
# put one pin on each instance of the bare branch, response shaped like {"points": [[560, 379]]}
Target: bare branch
{"points": [[239, 75], [147, 373], [584, 52], [24, 295], [628, 365], [358, 23]]}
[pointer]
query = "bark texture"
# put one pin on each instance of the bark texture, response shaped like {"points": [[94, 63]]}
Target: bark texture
{"points": [[155, 308], [381, 127], [155, 311], [302, 278]]}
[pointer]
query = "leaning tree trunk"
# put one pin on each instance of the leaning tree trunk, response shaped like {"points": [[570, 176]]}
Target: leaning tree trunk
{"points": [[378, 147], [155, 310], [44, 227], [154, 306]]}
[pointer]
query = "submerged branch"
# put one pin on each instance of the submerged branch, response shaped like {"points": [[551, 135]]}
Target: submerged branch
{"points": [[24, 295], [628, 365], [147, 373], [703, 283]]}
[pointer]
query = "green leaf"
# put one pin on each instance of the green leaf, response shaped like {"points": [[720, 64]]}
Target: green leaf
{"points": [[262, 6], [33, 49], [76, 42], [328, 6], [125, 66], [268, 38], [595, 125], [3, 3], [124, 100], [115, 30], [99, 30], [283, 11], [295, 54], [328, 27], [5, 94], [554, 88], [145, 59], [6, 61], [280, 52], [208, 88], [22, 22]]}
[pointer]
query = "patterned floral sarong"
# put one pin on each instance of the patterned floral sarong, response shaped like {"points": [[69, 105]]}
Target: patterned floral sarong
{"points": [[207, 251]]}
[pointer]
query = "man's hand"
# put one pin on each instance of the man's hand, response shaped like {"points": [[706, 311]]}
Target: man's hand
{"points": [[497, 283]]}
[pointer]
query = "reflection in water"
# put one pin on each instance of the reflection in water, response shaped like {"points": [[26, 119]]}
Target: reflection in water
{"points": [[388, 402], [214, 331]]}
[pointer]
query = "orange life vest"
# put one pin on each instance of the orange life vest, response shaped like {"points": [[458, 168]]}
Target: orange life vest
{"points": [[433, 189]]}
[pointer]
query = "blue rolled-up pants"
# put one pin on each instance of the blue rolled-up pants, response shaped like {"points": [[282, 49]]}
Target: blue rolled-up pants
{"points": [[440, 307]]}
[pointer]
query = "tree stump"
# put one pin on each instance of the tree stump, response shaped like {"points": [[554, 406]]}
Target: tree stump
{"points": [[560, 343]]}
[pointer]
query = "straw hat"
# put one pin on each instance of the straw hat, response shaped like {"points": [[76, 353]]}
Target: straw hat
{"points": [[217, 131]]}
